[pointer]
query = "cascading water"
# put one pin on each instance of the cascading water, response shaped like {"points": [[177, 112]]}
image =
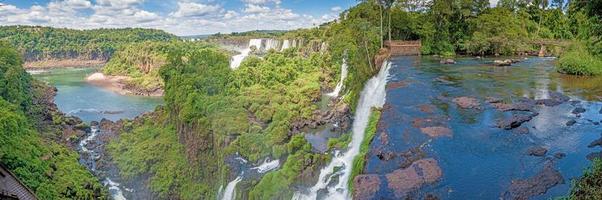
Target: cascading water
{"points": [[337, 89], [237, 59], [230, 191], [373, 95], [285, 45], [272, 44], [267, 166]]}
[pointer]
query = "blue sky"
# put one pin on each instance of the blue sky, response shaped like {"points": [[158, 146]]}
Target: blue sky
{"points": [[181, 17]]}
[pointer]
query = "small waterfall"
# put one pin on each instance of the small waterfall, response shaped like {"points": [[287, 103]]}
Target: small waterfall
{"points": [[230, 191], [373, 95], [285, 45], [237, 59], [337, 89], [267, 166], [114, 189], [93, 132]]}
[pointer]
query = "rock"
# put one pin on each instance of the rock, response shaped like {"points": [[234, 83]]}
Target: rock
{"points": [[593, 156], [424, 171], [426, 108], [600, 112], [436, 131], [94, 123], [559, 155], [555, 99], [467, 102], [506, 62], [431, 197], [384, 138], [365, 186], [447, 61], [520, 106], [521, 130], [571, 122], [578, 110], [385, 155], [396, 85], [537, 151], [535, 185], [444, 80], [493, 100], [597, 142], [515, 121]]}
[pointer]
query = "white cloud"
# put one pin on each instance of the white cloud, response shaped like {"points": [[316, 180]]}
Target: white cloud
{"points": [[188, 17], [195, 10], [493, 3], [336, 9]]}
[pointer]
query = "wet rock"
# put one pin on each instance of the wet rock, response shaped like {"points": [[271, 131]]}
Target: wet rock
{"points": [[436, 131], [575, 102], [559, 155], [537, 151], [593, 156], [431, 197], [430, 122], [535, 185], [384, 138], [506, 62], [600, 112], [421, 172], [571, 122], [410, 156], [426, 108], [520, 106], [385, 155], [555, 99], [597, 142], [467, 102], [515, 121], [447, 61], [578, 110], [521, 130], [365, 186], [493, 100], [94, 123], [396, 85]]}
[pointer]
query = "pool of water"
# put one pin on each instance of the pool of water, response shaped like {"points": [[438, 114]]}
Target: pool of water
{"points": [[479, 160], [91, 103]]}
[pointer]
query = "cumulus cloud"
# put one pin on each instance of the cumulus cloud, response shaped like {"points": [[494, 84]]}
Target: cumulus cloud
{"points": [[188, 17]]}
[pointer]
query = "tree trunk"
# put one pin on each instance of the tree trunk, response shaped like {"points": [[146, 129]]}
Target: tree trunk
{"points": [[381, 25], [389, 25]]}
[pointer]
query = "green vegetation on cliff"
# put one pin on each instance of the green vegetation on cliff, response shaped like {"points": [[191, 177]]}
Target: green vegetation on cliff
{"points": [[589, 185], [360, 159], [43, 43], [50, 169]]}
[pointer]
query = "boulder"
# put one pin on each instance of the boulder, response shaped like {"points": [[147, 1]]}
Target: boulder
{"points": [[405, 180], [436, 131], [365, 186], [507, 62], [559, 155], [514, 122], [578, 110], [447, 61], [521, 130], [571, 122], [537, 151], [467, 102], [535, 185]]}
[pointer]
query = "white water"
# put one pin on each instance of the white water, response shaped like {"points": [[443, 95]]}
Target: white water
{"points": [[237, 59], [84, 142], [272, 44], [116, 192], [339, 87], [230, 192], [267, 166], [373, 95], [285, 45]]}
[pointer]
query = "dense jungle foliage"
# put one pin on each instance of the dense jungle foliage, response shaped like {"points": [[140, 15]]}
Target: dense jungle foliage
{"points": [[141, 61], [44, 43], [50, 169]]}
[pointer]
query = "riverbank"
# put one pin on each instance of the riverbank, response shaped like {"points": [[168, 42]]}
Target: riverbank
{"points": [[119, 84], [63, 63]]}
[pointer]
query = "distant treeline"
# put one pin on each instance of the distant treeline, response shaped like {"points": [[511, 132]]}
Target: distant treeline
{"points": [[36, 43]]}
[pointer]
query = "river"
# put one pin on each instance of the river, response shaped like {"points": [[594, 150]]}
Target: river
{"points": [[91, 103], [476, 159]]}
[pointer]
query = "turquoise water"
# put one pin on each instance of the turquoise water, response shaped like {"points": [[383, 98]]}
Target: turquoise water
{"points": [[91, 103]]}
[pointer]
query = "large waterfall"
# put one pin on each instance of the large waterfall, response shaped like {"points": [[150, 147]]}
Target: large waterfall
{"points": [[237, 59], [230, 192], [337, 89], [285, 45], [373, 95]]}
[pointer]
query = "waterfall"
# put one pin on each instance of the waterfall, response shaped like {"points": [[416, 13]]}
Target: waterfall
{"points": [[114, 189], [272, 44], [230, 192], [237, 59], [93, 132], [373, 95], [337, 89], [267, 166], [285, 45]]}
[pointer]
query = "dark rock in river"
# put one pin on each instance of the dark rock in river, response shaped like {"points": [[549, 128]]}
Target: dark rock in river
{"points": [[578, 110], [597, 142], [515, 121], [447, 61], [559, 155], [594, 155], [467, 102], [403, 181], [520, 106], [436, 131], [537, 151], [365, 186], [493, 100], [555, 99], [521, 130], [600, 112], [385, 155], [571, 122], [396, 85], [535, 185], [340, 114]]}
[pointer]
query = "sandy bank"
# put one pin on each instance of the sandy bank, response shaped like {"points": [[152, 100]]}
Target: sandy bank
{"points": [[119, 84]]}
